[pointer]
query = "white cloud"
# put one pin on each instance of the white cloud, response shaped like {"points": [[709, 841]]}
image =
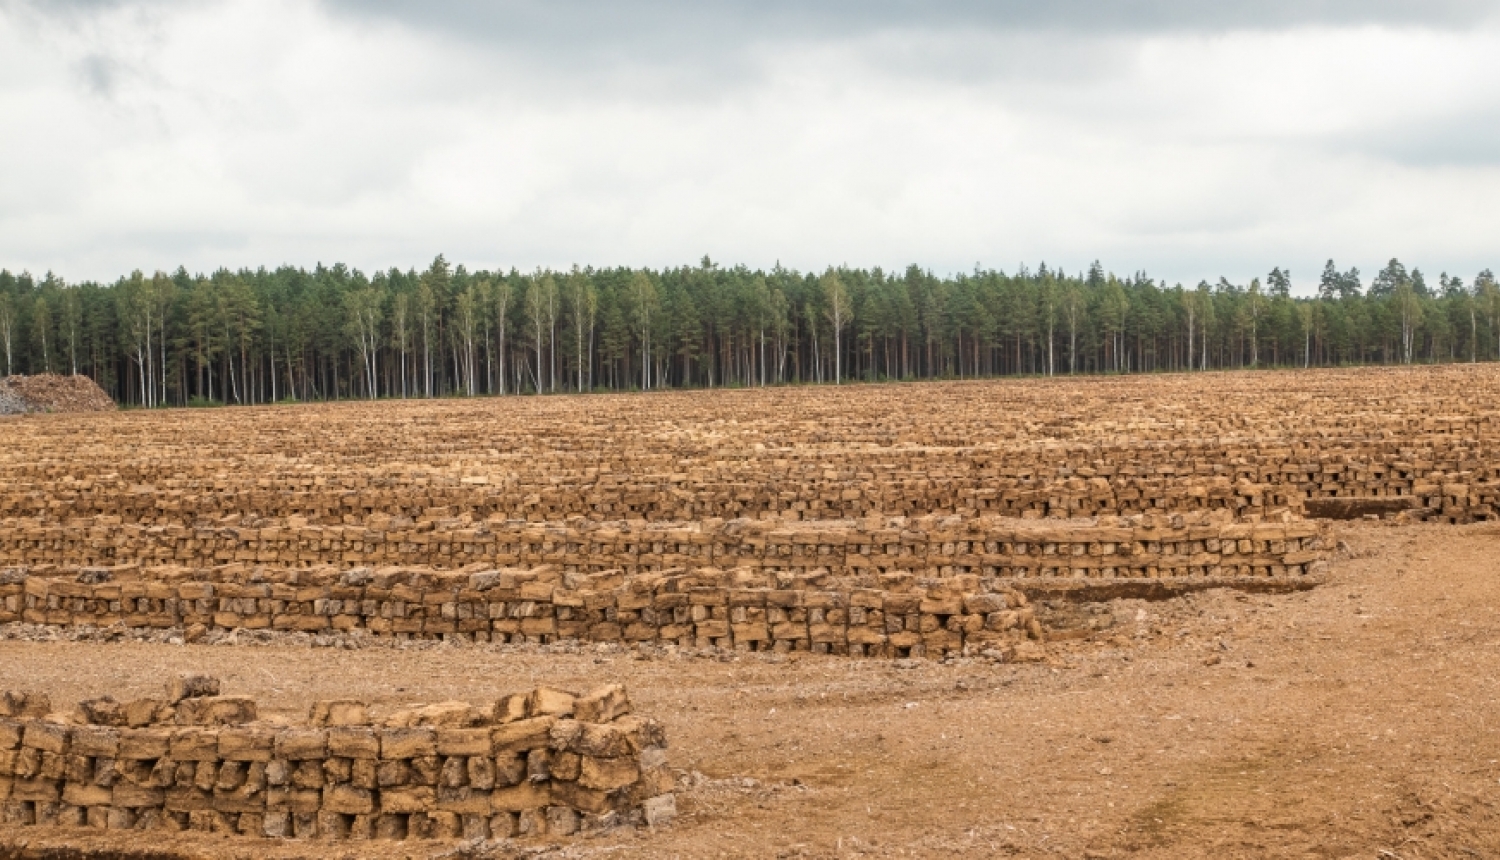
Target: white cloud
{"points": [[254, 133]]}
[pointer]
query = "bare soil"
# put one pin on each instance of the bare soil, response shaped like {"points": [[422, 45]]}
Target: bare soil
{"points": [[1355, 720]]}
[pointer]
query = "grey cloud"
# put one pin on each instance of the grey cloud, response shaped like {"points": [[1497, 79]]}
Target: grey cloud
{"points": [[703, 49], [565, 23], [78, 9], [100, 74], [561, 22], [690, 49], [1461, 140], [609, 133]]}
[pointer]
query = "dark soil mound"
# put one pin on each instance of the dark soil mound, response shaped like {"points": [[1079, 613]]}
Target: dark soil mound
{"points": [[50, 392]]}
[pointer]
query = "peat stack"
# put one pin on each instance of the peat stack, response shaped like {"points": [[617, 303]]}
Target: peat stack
{"points": [[51, 392]]}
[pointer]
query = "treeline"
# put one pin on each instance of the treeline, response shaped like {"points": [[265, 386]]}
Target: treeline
{"points": [[334, 332]]}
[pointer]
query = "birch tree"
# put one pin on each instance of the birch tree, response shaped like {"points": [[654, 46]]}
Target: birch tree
{"points": [[200, 320], [401, 336], [41, 329], [583, 302], [160, 296], [8, 329], [135, 308], [502, 293], [550, 294], [1115, 308], [1048, 306], [1073, 308], [540, 299], [71, 324], [363, 307], [836, 297], [238, 314], [645, 300], [1206, 314], [1409, 310], [1256, 301], [465, 325], [781, 326], [427, 326], [1190, 311], [1487, 295], [1305, 316]]}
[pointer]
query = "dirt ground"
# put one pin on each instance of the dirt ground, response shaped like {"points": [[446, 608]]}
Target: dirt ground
{"points": [[1359, 719]]}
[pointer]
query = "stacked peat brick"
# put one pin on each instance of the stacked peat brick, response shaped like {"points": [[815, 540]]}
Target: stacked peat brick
{"points": [[1250, 444], [1115, 547], [1443, 476], [905, 617], [871, 588], [773, 519], [542, 763]]}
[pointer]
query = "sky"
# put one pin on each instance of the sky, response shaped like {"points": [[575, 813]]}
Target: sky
{"points": [[1188, 140]]}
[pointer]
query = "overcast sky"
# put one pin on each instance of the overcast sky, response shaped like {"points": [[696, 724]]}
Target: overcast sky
{"points": [[1186, 139]]}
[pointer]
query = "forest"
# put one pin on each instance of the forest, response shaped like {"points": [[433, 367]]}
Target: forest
{"points": [[289, 334]]}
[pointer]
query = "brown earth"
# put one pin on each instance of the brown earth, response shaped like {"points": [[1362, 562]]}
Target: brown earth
{"points": [[51, 392], [1354, 720]]}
